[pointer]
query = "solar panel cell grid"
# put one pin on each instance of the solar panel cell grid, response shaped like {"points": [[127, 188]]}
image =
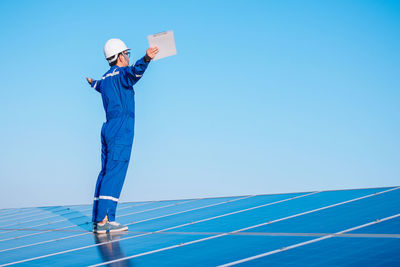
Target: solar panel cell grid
{"points": [[340, 251], [340, 217], [391, 227], [199, 231]]}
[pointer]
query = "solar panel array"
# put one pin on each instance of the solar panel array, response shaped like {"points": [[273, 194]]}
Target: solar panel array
{"points": [[324, 228]]}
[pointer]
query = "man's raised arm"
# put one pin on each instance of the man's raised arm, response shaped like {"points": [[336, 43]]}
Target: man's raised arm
{"points": [[136, 71]]}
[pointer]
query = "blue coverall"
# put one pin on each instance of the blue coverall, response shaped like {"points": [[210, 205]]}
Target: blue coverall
{"points": [[116, 88]]}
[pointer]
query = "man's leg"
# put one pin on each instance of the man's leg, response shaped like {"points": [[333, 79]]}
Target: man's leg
{"points": [[112, 181], [100, 177], [118, 137]]}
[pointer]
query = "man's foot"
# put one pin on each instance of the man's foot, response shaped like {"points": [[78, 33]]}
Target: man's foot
{"points": [[108, 227], [117, 227], [100, 228]]}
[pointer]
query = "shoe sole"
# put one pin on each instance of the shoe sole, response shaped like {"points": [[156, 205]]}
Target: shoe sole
{"points": [[110, 231], [99, 231], [119, 230]]}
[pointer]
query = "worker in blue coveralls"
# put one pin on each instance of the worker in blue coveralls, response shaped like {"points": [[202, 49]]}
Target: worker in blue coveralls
{"points": [[118, 95]]}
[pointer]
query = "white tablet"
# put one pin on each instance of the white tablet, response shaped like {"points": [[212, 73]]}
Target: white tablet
{"points": [[165, 43]]}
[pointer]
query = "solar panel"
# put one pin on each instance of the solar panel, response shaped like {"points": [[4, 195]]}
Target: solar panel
{"points": [[343, 227]]}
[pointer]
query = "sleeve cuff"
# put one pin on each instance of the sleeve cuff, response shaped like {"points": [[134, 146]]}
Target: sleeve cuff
{"points": [[93, 85], [147, 58]]}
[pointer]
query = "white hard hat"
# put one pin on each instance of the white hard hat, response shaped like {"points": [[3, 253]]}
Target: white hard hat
{"points": [[112, 48]]}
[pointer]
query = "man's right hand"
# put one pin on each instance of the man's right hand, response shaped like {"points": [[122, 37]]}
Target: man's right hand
{"points": [[152, 51], [89, 80]]}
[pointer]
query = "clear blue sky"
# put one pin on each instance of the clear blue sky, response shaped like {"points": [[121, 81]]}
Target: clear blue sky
{"points": [[262, 97]]}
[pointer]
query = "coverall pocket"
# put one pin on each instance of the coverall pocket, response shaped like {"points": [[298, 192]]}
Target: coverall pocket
{"points": [[123, 140], [122, 153]]}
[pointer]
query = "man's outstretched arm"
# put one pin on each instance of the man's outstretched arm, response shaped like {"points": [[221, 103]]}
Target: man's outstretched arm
{"points": [[94, 84]]}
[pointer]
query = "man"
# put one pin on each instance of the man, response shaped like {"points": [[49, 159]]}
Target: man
{"points": [[116, 88]]}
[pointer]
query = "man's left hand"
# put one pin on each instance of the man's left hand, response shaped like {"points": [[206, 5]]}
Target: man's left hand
{"points": [[89, 80]]}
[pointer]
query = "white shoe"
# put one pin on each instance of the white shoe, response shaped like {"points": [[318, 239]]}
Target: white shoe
{"points": [[116, 227]]}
